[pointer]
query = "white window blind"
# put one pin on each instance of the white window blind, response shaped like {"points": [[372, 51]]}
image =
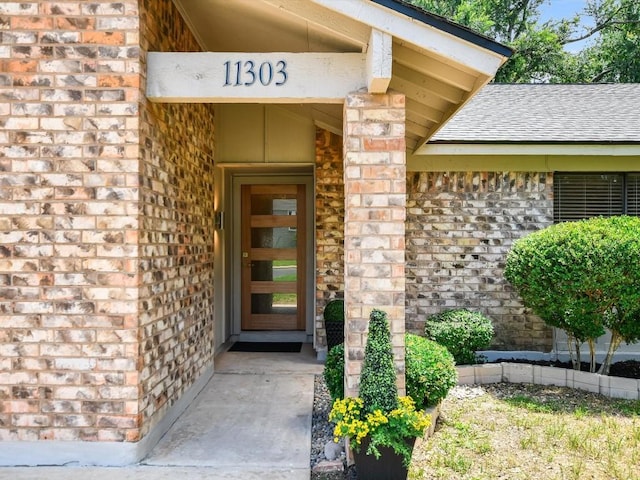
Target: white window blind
{"points": [[585, 195]]}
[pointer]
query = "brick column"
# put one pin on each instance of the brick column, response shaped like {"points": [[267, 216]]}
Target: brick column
{"points": [[69, 148], [375, 210]]}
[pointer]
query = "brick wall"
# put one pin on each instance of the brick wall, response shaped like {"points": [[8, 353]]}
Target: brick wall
{"points": [[329, 201], [69, 92], [106, 239], [460, 226], [176, 231], [375, 205]]}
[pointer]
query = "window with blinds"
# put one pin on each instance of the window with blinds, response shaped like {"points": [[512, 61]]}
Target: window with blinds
{"points": [[633, 194], [585, 195]]}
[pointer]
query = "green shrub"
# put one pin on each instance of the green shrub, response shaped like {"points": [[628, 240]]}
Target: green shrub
{"points": [[462, 331], [430, 371], [334, 372], [378, 387], [582, 277], [334, 311]]}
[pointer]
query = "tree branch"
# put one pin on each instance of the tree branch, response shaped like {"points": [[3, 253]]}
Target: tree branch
{"points": [[597, 28], [601, 75]]}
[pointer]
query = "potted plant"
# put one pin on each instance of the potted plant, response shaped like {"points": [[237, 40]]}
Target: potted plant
{"points": [[334, 322], [381, 427]]}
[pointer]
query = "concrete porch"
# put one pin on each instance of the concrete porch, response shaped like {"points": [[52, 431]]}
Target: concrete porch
{"points": [[251, 421]]}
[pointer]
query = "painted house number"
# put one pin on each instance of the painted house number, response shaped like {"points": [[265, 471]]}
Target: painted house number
{"points": [[247, 73]]}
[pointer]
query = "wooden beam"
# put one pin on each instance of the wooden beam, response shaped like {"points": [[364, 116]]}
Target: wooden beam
{"points": [[421, 95], [428, 114], [452, 48], [443, 90], [433, 68], [379, 61], [545, 150], [327, 120], [325, 19], [230, 77]]}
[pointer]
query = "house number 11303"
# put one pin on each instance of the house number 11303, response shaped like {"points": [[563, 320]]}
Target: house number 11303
{"points": [[247, 73]]}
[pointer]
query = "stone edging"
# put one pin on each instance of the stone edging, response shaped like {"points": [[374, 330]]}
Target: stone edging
{"points": [[614, 387]]}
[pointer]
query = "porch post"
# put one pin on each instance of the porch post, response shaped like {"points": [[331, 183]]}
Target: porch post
{"points": [[375, 209]]}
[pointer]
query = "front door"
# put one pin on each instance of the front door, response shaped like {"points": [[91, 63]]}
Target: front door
{"points": [[273, 263]]}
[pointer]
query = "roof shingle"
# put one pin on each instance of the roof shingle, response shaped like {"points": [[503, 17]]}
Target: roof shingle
{"points": [[547, 113]]}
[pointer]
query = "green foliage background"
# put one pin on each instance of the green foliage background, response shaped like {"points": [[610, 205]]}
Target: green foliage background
{"points": [[612, 53]]}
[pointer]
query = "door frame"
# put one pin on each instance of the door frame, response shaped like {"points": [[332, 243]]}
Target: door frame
{"points": [[235, 255]]}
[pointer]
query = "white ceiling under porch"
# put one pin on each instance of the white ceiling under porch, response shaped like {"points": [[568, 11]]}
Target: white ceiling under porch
{"points": [[439, 66]]}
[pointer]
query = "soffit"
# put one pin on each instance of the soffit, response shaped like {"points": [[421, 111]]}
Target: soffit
{"points": [[433, 74]]}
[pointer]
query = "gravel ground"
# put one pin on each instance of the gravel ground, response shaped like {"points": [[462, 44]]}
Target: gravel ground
{"points": [[321, 429], [322, 436]]}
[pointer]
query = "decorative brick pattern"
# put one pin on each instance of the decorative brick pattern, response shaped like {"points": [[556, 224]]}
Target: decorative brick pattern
{"points": [[176, 231], [460, 227], [69, 149], [375, 207], [329, 199]]}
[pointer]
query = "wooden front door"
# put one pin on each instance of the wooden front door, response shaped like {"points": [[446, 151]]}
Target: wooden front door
{"points": [[273, 257]]}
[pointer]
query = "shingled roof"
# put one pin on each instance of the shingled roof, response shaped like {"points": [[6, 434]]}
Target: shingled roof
{"points": [[544, 113]]}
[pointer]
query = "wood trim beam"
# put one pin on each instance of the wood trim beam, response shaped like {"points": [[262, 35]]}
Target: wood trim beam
{"points": [[433, 68], [452, 48], [349, 29], [423, 111], [232, 77], [379, 61], [420, 95], [527, 149], [443, 90]]}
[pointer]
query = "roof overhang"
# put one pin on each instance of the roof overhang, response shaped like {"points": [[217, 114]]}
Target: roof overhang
{"points": [[525, 149], [438, 65]]}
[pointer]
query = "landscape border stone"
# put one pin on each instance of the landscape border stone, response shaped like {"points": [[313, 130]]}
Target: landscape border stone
{"points": [[610, 386]]}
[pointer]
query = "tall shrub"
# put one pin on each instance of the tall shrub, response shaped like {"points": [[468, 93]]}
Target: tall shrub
{"points": [[378, 388], [582, 277]]}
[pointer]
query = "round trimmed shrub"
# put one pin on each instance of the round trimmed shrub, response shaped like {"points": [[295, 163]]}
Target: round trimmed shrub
{"points": [[430, 370], [582, 277], [334, 372], [462, 331], [334, 311]]}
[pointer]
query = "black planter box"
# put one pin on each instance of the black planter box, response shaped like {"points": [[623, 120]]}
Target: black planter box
{"points": [[389, 466], [335, 333]]}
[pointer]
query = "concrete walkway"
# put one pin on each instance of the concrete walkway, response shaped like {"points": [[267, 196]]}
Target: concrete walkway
{"points": [[252, 421]]}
